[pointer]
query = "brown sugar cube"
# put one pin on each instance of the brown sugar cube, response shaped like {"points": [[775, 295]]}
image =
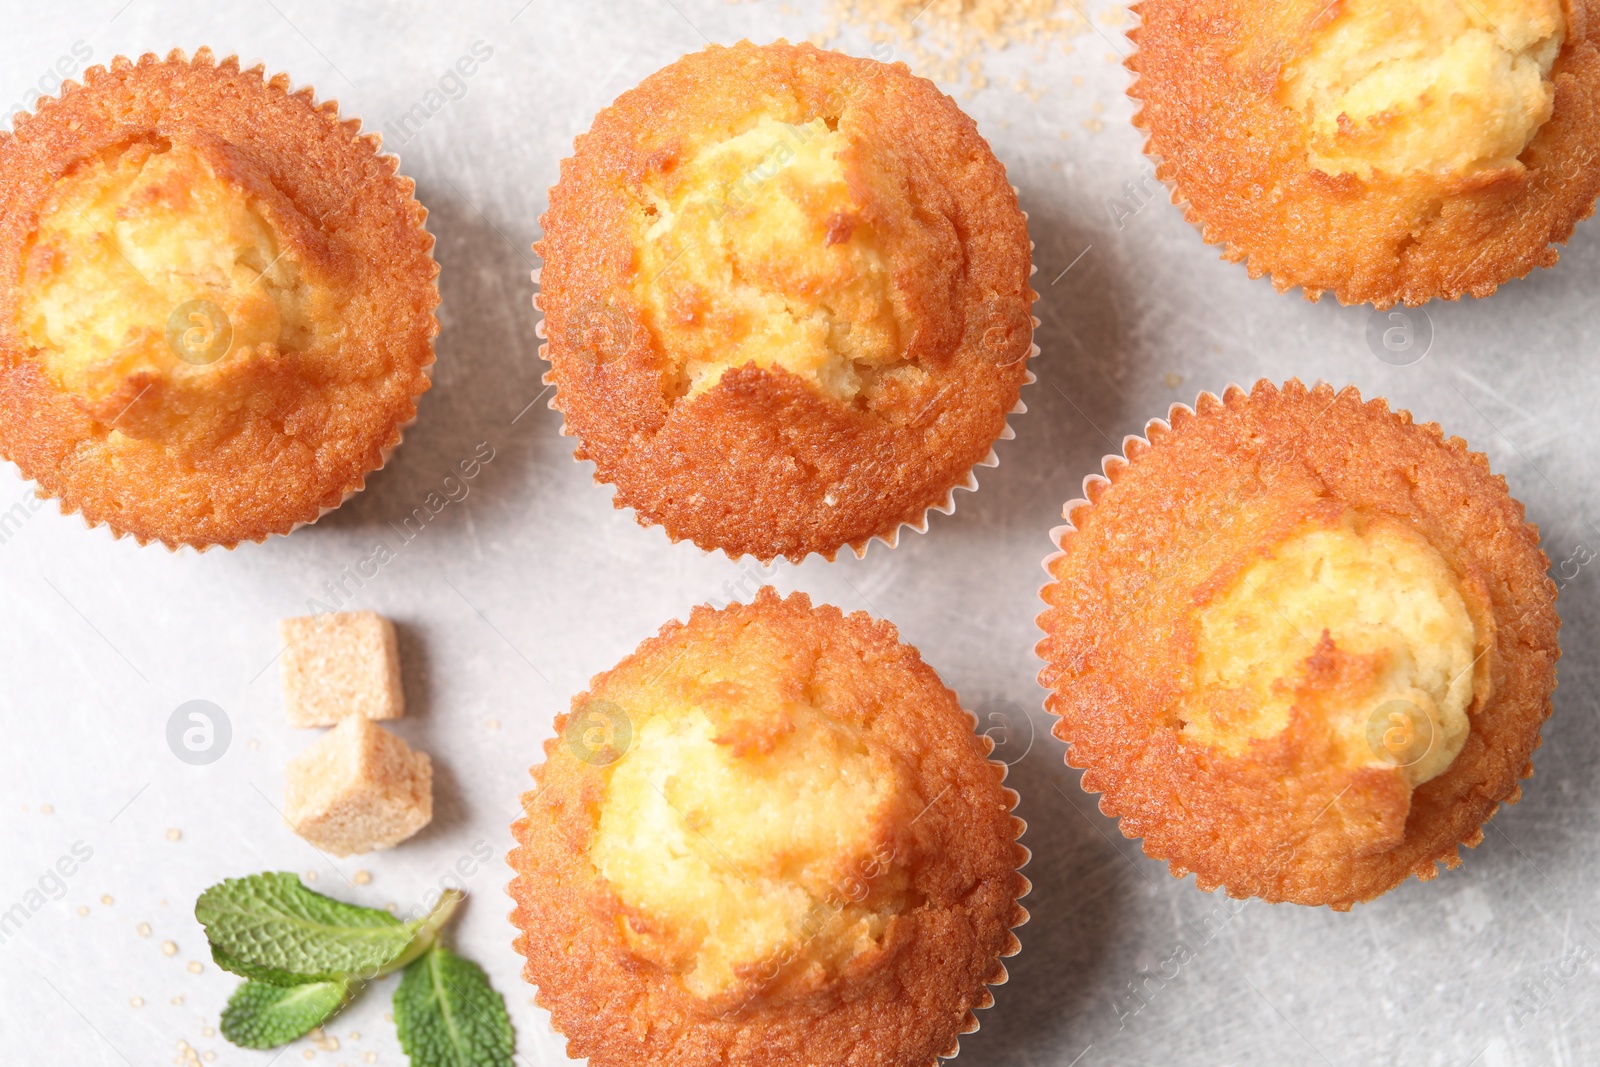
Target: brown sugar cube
{"points": [[339, 664], [359, 788]]}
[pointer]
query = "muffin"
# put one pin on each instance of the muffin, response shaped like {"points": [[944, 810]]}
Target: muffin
{"points": [[786, 298], [1302, 646], [769, 836], [1381, 152], [219, 306]]}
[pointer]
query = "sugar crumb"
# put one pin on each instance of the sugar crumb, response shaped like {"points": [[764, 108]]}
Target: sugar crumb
{"points": [[945, 39]]}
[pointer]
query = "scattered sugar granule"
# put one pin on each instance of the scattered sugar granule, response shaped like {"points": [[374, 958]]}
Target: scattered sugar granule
{"points": [[143, 929], [195, 967], [941, 39], [169, 948], [177, 1002], [107, 900], [362, 877], [47, 809], [83, 909], [311, 876], [174, 834], [136, 1002]]}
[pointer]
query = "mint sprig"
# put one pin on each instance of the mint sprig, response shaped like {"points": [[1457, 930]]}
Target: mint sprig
{"points": [[448, 1015], [306, 954], [259, 1015]]}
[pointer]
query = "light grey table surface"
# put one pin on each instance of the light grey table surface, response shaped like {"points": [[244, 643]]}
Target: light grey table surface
{"points": [[512, 598]]}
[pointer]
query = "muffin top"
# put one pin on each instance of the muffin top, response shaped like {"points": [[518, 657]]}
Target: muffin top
{"points": [[1381, 152], [1365, 595], [765, 833], [785, 293], [1303, 646], [222, 307], [1441, 88]]}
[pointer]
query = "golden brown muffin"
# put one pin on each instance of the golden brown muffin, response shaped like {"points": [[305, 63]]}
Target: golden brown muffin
{"points": [[769, 836], [1301, 645], [218, 312], [786, 298], [1382, 152]]}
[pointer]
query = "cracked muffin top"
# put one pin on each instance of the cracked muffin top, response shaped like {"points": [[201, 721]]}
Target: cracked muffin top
{"points": [[1380, 152], [219, 303], [1302, 646], [769, 836], [786, 299]]}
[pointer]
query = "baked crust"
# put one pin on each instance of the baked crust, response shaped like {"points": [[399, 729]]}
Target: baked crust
{"points": [[286, 439], [761, 463], [1236, 159], [1193, 503], [908, 1002]]}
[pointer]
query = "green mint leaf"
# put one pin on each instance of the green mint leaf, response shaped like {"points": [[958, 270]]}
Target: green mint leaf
{"points": [[449, 1016], [259, 1015], [269, 975], [273, 926]]}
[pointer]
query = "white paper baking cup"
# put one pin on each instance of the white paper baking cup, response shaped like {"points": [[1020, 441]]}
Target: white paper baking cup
{"points": [[1024, 856]]}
